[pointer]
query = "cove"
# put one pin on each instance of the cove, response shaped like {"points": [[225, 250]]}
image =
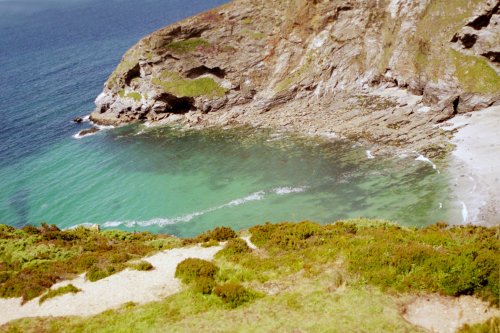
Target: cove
{"points": [[166, 180]]}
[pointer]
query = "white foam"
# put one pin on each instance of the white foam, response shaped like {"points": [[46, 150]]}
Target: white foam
{"points": [[422, 158], [79, 136], [252, 197], [85, 225], [256, 196], [465, 212], [185, 218], [111, 224], [288, 190], [104, 127], [369, 155]]}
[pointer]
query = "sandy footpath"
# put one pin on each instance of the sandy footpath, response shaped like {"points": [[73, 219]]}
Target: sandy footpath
{"points": [[445, 314], [113, 291], [476, 166]]}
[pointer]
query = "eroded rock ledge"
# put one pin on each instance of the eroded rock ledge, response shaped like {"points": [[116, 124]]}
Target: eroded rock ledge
{"points": [[382, 71]]}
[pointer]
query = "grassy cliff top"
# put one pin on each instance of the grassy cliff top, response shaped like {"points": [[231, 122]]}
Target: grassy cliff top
{"points": [[301, 275]]}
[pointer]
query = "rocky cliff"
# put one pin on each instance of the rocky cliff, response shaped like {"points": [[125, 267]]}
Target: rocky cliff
{"points": [[385, 71]]}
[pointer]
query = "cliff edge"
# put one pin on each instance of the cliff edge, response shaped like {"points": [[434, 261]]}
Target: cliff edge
{"points": [[382, 71]]}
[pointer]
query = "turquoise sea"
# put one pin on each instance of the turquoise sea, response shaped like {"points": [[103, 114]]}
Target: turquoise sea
{"points": [[54, 58]]}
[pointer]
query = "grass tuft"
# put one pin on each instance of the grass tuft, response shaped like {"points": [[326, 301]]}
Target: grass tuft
{"points": [[58, 292], [141, 265]]}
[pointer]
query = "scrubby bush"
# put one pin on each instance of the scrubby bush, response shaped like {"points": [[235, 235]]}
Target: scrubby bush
{"points": [[4, 276], [96, 273], [233, 294], [222, 234], [33, 259], [58, 292], [219, 234], [141, 265], [451, 260], [210, 243], [234, 247], [204, 285], [30, 229], [286, 235], [198, 273], [192, 269]]}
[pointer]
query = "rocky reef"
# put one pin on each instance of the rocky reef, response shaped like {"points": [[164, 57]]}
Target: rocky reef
{"points": [[382, 71]]}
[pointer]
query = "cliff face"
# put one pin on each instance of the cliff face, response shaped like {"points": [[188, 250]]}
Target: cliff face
{"points": [[384, 71]]}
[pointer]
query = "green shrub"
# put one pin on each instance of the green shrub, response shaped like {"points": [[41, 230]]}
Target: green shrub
{"points": [[192, 269], [455, 260], [204, 285], [210, 243], [96, 273], [4, 276], [219, 234], [119, 257], [58, 292], [222, 234], [33, 259], [286, 235], [234, 247], [233, 294], [30, 229], [141, 265]]}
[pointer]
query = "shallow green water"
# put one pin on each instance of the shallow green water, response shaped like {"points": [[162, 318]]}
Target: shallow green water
{"points": [[161, 179]]}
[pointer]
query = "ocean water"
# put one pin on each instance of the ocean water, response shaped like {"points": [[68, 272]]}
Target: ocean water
{"points": [[54, 58]]}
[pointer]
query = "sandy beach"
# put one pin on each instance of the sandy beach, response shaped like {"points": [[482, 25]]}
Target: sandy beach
{"points": [[475, 165]]}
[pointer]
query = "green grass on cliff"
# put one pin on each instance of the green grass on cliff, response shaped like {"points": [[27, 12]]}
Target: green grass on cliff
{"points": [[134, 95], [474, 74], [310, 277], [187, 46], [433, 57], [181, 87], [69, 289]]}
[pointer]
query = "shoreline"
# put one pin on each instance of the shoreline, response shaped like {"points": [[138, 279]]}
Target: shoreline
{"points": [[475, 165], [472, 162]]}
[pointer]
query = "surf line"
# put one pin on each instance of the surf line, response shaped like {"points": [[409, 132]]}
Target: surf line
{"points": [[256, 196]]}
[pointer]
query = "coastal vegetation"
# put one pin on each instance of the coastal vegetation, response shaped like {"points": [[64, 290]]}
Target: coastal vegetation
{"points": [[300, 275], [134, 95], [204, 86], [187, 46], [69, 289], [32, 259]]}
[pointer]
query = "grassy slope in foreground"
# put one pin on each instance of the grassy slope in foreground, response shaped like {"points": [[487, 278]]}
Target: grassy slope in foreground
{"points": [[311, 277]]}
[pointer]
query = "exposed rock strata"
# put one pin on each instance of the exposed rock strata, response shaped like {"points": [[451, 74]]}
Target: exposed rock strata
{"points": [[382, 71]]}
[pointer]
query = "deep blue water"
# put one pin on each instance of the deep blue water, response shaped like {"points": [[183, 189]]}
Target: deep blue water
{"points": [[55, 56]]}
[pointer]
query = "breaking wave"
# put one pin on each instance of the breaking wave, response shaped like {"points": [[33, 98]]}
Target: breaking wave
{"points": [[256, 196]]}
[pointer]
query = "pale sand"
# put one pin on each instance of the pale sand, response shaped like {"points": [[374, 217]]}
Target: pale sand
{"points": [[113, 291], [476, 166], [442, 314]]}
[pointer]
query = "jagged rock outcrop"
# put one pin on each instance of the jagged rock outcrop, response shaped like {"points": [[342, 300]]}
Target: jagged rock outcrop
{"points": [[383, 71]]}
